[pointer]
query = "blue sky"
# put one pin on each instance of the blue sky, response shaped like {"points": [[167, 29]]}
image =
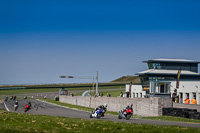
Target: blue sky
{"points": [[41, 40]]}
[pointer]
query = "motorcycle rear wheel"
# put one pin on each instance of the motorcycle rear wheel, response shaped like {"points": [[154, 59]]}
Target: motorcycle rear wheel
{"points": [[91, 115], [119, 117]]}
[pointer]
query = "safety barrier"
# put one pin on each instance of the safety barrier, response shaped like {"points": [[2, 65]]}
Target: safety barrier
{"points": [[182, 112]]}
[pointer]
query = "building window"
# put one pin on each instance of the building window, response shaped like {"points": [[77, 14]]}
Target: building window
{"points": [[133, 95]]}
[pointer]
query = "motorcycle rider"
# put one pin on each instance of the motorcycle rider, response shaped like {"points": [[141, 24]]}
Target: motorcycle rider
{"points": [[102, 107], [11, 98], [6, 99], [127, 108], [16, 104], [14, 98], [29, 104]]}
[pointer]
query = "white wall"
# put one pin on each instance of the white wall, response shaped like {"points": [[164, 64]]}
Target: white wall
{"points": [[136, 91], [185, 87], [189, 87]]}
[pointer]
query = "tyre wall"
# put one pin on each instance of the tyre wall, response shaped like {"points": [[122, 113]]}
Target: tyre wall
{"points": [[141, 106]]}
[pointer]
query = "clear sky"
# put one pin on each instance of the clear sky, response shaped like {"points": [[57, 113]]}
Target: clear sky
{"points": [[43, 39]]}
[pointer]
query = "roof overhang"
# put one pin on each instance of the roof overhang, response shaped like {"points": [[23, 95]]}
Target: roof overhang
{"points": [[167, 72], [172, 61]]}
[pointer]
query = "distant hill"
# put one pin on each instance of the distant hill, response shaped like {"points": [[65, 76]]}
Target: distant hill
{"points": [[127, 79]]}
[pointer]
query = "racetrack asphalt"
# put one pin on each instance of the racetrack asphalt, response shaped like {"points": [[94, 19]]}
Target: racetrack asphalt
{"points": [[44, 108]]}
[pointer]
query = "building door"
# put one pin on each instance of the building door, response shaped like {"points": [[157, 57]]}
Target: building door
{"points": [[181, 97], [162, 88]]}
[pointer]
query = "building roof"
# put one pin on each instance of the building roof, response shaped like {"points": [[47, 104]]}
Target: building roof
{"points": [[172, 60], [167, 72]]}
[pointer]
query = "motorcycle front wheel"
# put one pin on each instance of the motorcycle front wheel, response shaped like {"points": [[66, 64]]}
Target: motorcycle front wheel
{"points": [[26, 110], [98, 115], [128, 116]]}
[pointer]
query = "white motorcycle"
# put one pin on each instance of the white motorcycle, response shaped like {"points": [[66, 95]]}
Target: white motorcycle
{"points": [[16, 107], [97, 114]]}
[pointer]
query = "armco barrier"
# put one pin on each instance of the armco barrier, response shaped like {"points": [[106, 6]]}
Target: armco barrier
{"points": [[141, 106]]}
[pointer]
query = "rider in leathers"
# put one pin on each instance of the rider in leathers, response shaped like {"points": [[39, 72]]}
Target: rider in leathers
{"points": [[102, 107]]}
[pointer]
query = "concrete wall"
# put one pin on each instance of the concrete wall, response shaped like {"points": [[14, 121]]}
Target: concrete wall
{"points": [[141, 106]]}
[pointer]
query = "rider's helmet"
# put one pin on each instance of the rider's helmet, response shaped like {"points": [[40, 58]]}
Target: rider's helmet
{"points": [[29, 102], [130, 105], [16, 101], [105, 105]]}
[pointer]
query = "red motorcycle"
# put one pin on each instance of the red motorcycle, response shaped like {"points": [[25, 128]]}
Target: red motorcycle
{"points": [[125, 114], [27, 107]]}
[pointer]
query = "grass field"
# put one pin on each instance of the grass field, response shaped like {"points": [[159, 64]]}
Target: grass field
{"points": [[17, 123], [38, 90], [114, 93]]}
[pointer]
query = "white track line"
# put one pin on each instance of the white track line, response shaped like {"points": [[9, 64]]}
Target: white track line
{"points": [[6, 106], [61, 105]]}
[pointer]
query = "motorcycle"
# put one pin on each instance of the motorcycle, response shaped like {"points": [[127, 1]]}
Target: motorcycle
{"points": [[6, 99], [11, 98], [16, 107], [97, 114], [125, 114], [27, 107], [14, 98]]}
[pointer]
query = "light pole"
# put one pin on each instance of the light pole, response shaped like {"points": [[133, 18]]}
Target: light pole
{"points": [[85, 77], [97, 83]]}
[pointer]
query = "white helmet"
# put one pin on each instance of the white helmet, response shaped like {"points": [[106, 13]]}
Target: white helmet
{"points": [[105, 105]]}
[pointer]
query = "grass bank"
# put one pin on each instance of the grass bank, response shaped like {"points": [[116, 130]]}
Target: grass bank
{"points": [[18, 123], [171, 118]]}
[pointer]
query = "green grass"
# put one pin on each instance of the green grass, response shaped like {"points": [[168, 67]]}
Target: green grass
{"points": [[114, 93], [171, 118], [17, 123], [26, 91]]}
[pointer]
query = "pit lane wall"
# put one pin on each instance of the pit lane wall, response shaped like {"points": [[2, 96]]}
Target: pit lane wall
{"points": [[141, 106]]}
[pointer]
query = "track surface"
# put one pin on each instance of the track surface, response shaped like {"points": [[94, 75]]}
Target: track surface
{"points": [[39, 107]]}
